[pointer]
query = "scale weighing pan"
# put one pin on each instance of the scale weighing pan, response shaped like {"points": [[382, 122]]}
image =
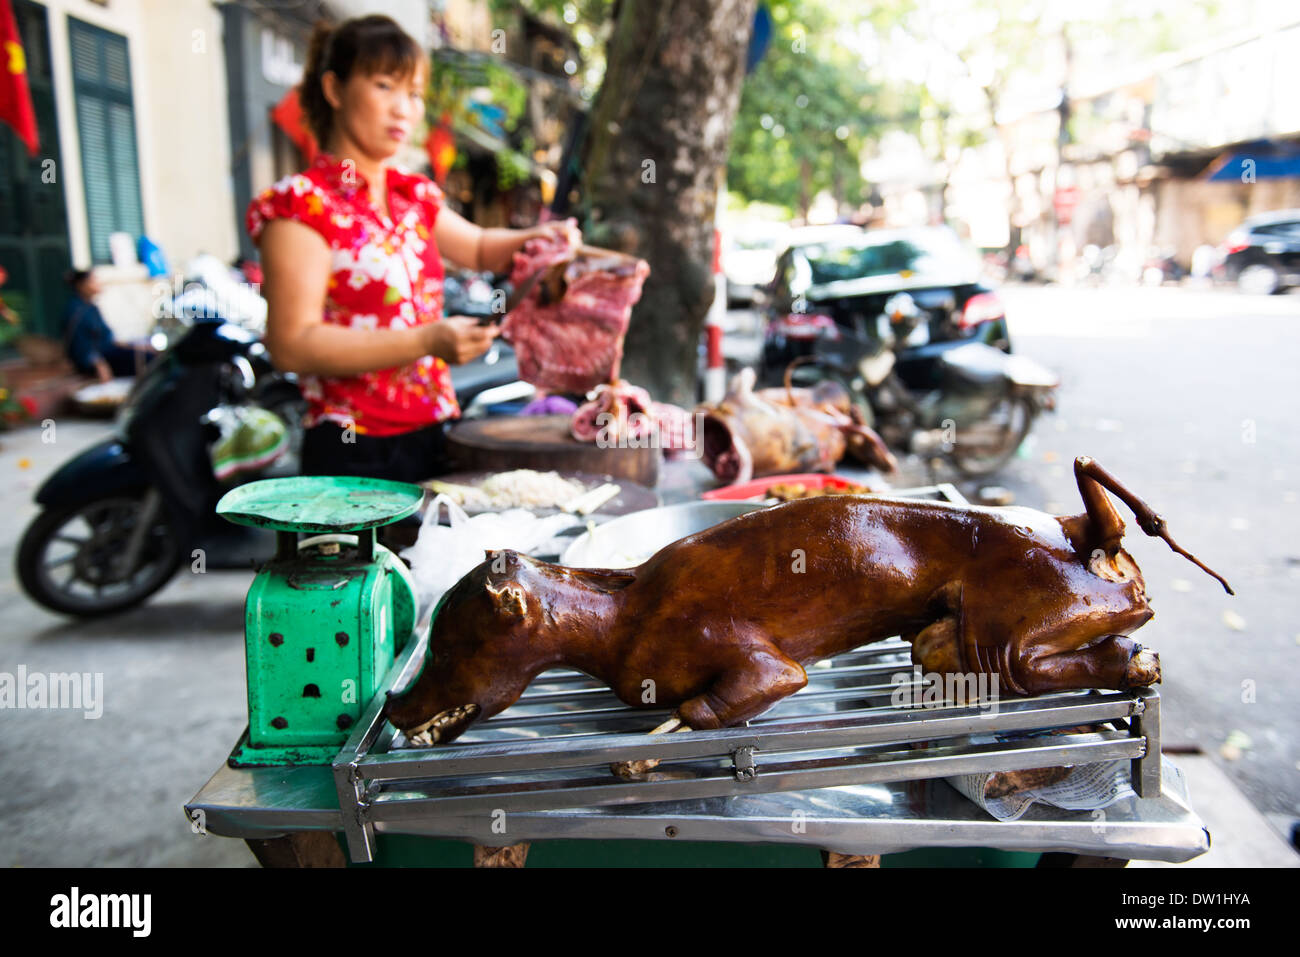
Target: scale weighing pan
{"points": [[320, 504]]}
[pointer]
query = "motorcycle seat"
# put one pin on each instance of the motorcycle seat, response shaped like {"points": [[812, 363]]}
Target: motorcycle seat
{"points": [[975, 363]]}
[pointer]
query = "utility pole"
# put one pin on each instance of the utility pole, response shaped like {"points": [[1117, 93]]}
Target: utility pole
{"points": [[1062, 138]]}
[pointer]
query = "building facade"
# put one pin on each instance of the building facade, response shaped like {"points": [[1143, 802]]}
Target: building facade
{"points": [[130, 97], [154, 120]]}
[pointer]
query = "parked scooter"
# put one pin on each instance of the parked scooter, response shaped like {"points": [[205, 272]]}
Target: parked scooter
{"points": [[964, 401], [1161, 267], [213, 292], [120, 517]]}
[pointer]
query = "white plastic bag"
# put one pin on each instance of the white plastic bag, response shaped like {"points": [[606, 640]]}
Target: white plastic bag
{"points": [[443, 554]]}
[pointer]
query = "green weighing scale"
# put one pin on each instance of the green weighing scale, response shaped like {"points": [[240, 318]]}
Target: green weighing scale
{"points": [[325, 616]]}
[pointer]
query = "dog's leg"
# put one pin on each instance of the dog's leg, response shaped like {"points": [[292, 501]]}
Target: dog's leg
{"points": [[634, 769], [1117, 661], [760, 677]]}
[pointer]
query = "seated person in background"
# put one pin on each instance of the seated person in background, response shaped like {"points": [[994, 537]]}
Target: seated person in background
{"points": [[86, 337]]}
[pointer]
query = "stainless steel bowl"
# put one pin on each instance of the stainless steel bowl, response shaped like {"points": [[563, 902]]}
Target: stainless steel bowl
{"points": [[630, 539]]}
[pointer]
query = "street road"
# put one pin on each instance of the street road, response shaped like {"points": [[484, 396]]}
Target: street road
{"points": [[1188, 396]]}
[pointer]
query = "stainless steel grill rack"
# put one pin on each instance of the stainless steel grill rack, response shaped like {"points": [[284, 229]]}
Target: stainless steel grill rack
{"points": [[553, 748]]}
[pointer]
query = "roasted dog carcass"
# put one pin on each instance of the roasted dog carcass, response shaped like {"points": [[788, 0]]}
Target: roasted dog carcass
{"points": [[724, 621]]}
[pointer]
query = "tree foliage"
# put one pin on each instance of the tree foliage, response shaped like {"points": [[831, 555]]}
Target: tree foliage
{"points": [[809, 108]]}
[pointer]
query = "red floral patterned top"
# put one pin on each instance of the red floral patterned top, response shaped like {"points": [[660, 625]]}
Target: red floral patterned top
{"points": [[386, 273]]}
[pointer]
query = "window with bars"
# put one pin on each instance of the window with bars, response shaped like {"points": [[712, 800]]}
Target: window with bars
{"points": [[101, 79]]}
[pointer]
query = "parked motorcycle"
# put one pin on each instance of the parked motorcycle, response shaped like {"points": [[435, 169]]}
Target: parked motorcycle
{"points": [[213, 292], [965, 401], [121, 516], [1161, 267]]}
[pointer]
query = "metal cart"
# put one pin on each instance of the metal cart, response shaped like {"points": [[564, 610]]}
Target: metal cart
{"points": [[839, 766], [516, 779]]}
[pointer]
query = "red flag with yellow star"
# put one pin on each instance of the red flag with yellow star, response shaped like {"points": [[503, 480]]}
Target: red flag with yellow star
{"points": [[15, 97]]}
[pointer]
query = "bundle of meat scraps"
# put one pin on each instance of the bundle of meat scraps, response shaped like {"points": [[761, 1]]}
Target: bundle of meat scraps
{"points": [[614, 415], [622, 414], [568, 331]]}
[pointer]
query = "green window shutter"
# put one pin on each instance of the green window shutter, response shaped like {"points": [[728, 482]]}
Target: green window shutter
{"points": [[101, 74]]}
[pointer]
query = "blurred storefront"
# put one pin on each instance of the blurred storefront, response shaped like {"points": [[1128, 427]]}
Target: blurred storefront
{"points": [[1169, 156], [507, 107], [1172, 157], [1225, 128], [125, 93], [265, 48]]}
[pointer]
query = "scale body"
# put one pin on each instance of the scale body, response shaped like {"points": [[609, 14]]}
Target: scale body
{"points": [[324, 617]]}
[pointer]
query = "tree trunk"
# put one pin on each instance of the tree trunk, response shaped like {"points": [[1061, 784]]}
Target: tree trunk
{"points": [[660, 130]]}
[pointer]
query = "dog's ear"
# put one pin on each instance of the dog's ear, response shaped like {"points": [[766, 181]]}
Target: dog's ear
{"points": [[501, 560]]}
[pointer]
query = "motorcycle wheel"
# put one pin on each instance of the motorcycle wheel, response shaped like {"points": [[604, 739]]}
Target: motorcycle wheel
{"points": [[66, 559], [1015, 417]]}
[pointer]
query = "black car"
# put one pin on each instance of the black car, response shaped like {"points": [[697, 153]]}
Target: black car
{"points": [[842, 279], [1262, 255]]}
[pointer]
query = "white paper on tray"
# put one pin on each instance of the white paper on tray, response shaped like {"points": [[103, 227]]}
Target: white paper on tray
{"points": [[1088, 787]]}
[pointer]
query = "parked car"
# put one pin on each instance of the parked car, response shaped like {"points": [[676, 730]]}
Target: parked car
{"points": [[845, 278], [749, 260], [1262, 255]]}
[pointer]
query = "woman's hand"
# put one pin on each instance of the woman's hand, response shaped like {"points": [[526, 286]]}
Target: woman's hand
{"points": [[459, 339], [492, 250], [566, 228]]}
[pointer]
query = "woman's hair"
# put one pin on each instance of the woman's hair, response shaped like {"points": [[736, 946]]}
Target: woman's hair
{"points": [[75, 277], [373, 44]]}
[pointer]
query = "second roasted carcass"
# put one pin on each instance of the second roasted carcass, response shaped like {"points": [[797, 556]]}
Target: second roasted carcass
{"points": [[777, 431]]}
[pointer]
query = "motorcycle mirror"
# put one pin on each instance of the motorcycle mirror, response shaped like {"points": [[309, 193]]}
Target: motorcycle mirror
{"points": [[245, 370]]}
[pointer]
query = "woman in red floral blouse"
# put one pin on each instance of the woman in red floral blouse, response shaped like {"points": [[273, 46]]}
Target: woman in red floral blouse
{"points": [[353, 276]]}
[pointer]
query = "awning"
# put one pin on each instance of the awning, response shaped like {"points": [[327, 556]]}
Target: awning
{"points": [[1263, 159], [484, 143]]}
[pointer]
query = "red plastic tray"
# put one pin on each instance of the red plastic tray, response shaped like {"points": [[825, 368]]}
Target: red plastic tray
{"points": [[756, 487]]}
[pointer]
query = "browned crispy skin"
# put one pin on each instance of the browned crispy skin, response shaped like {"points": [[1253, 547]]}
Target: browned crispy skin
{"points": [[720, 624], [773, 431]]}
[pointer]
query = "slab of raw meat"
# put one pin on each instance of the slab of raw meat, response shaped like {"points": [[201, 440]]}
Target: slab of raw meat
{"points": [[568, 331]]}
